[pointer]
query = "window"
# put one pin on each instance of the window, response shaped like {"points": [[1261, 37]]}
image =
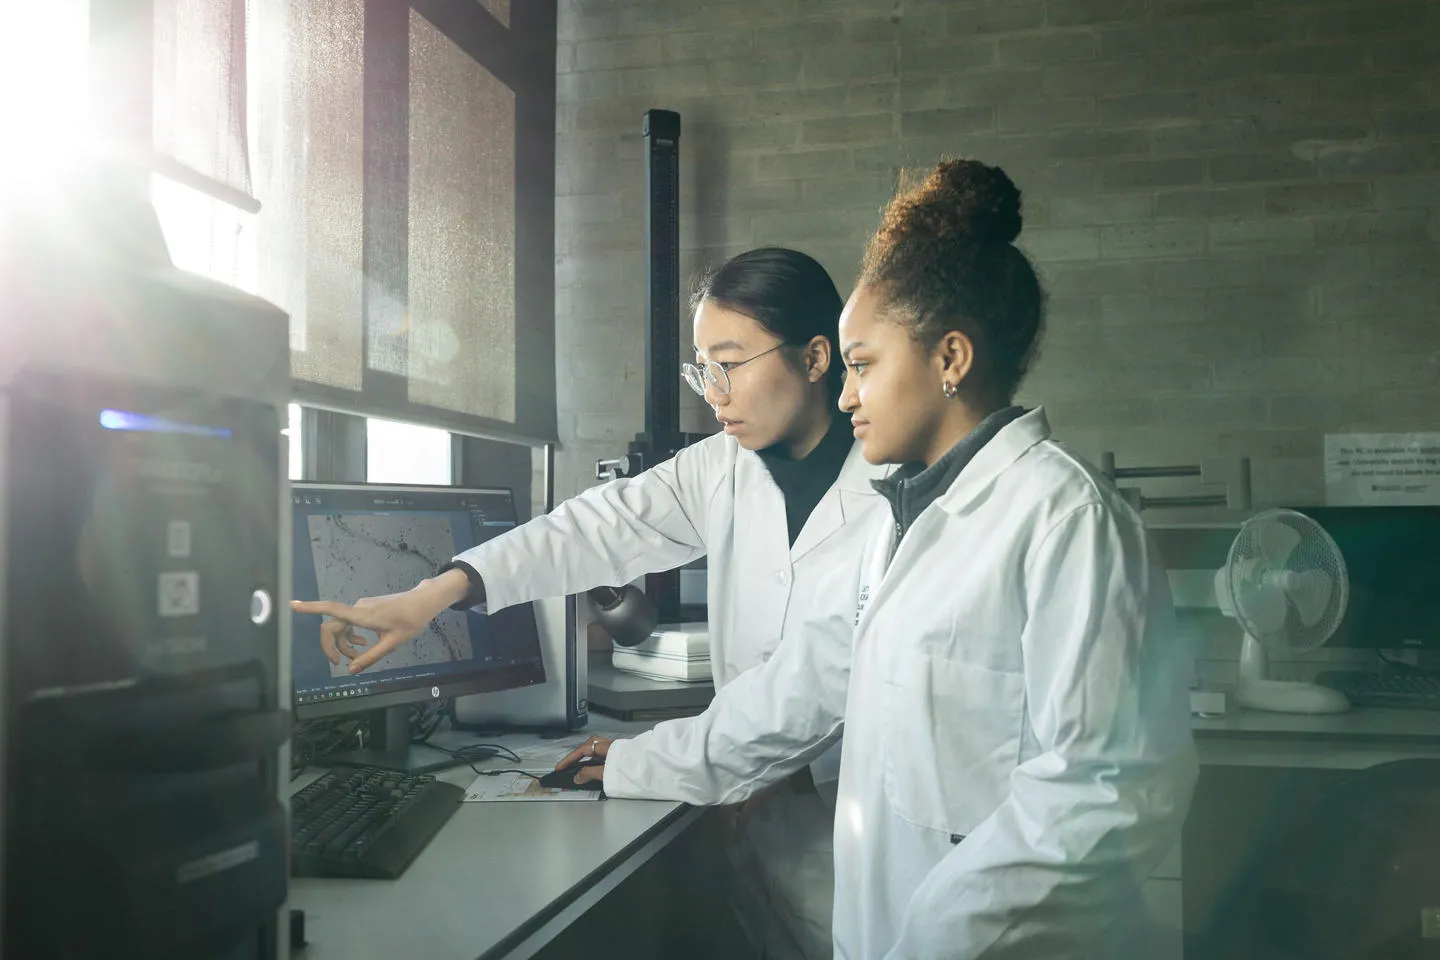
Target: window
{"points": [[282, 102], [205, 235], [293, 434], [45, 79], [404, 453], [419, 289]]}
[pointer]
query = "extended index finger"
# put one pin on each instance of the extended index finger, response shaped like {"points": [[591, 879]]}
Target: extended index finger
{"points": [[355, 616]]}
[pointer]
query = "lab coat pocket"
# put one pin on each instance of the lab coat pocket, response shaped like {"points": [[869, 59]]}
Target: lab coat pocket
{"points": [[952, 740]]}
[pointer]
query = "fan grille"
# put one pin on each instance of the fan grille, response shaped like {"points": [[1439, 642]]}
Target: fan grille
{"points": [[1288, 581]]}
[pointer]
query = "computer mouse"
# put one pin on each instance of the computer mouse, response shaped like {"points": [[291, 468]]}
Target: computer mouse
{"points": [[565, 779]]}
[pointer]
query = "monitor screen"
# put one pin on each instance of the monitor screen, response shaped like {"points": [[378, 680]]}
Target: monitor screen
{"points": [[354, 541], [1392, 561]]}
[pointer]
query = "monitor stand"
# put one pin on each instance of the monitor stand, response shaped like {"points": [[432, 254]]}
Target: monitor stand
{"points": [[390, 732]]}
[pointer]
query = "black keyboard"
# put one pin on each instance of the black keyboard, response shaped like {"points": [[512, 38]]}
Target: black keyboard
{"points": [[1414, 691], [366, 822]]}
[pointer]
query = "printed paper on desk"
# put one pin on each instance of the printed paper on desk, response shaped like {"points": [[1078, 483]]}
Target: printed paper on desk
{"points": [[553, 751], [510, 787], [1382, 469]]}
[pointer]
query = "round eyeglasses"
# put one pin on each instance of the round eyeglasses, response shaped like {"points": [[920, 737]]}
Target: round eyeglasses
{"points": [[714, 373]]}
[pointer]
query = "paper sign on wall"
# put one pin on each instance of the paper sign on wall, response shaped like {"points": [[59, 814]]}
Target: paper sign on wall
{"points": [[1382, 469]]}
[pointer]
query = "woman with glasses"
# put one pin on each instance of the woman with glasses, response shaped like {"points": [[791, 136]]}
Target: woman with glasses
{"points": [[774, 502], [1018, 756]]}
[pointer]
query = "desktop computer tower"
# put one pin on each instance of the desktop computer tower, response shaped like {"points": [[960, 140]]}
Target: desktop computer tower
{"points": [[144, 661]]}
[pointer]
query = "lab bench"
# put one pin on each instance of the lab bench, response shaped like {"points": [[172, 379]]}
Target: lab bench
{"points": [[516, 880], [520, 880], [1251, 766]]}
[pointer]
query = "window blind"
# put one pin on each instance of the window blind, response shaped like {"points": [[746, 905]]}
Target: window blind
{"points": [[404, 157]]}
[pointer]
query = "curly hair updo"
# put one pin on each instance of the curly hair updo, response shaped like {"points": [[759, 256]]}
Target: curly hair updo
{"points": [[944, 259]]}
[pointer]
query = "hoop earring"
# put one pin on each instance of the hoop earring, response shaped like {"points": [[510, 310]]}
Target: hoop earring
{"points": [[951, 390]]}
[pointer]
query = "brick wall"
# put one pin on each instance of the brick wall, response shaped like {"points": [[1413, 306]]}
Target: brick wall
{"points": [[1235, 205]]}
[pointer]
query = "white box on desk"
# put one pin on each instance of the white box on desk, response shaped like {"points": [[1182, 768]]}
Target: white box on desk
{"points": [[1208, 703], [678, 651], [662, 668], [690, 641]]}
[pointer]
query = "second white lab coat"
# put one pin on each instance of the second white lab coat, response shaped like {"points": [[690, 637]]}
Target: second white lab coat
{"points": [[1017, 750], [714, 499]]}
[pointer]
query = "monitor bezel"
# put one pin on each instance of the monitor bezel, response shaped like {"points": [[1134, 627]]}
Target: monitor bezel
{"points": [[1350, 635], [426, 690]]}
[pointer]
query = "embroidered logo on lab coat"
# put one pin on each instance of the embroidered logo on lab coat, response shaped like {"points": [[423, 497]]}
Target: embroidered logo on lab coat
{"points": [[862, 603]]}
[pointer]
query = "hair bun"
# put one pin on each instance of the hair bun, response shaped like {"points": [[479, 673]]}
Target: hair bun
{"points": [[967, 199]]}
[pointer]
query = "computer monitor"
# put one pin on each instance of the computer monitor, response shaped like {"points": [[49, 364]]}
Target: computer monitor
{"points": [[1392, 558], [353, 541]]}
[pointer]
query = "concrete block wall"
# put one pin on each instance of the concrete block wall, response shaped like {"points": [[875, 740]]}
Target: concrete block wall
{"points": [[1235, 205]]}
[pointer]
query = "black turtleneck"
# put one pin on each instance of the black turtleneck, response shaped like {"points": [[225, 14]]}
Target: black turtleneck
{"points": [[914, 486], [803, 482]]}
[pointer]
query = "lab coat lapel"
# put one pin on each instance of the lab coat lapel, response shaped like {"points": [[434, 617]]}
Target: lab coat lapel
{"points": [[827, 517], [995, 457], [829, 514], [760, 506]]}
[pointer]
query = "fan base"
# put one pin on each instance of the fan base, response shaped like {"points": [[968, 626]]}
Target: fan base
{"points": [[1288, 696]]}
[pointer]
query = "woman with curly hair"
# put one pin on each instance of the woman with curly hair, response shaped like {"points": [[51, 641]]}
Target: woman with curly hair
{"points": [[1017, 755]]}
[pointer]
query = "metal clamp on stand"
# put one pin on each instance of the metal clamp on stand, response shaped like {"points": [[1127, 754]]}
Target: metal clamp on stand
{"points": [[606, 470], [1231, 472]]}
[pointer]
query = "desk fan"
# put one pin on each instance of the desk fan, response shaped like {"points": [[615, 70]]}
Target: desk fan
{"points": [[1285, 583]]}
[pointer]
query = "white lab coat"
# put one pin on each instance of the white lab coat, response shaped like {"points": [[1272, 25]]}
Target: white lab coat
{"points": [[715, 499], [1017, 752]]}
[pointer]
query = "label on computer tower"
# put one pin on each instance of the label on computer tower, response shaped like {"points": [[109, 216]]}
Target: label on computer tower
{"points": [[179, 593], [177, 538]]}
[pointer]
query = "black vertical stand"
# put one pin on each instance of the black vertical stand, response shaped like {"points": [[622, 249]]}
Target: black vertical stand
{"points": [[392, 750], [662, 281], [662, 437]]}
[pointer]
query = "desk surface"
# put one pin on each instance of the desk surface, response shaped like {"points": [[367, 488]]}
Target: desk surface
{"points": [[500, 880], [1344, 741], [626, 695], [1358, 724]]}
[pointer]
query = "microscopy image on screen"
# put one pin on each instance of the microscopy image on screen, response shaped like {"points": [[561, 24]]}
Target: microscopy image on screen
{"points": [[370, 555]]}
